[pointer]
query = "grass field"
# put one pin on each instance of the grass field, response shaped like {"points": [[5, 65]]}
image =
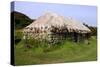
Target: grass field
{"points": [[67, 52]]}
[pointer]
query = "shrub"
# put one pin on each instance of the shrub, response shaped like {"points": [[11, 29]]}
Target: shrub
{"points": [[17, 36]]}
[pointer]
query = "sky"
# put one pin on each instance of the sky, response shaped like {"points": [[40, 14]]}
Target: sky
{"points": [[83, 13]]}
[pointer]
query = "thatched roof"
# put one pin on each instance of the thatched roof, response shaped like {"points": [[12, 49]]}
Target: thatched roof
{"points": [[52, 19]]}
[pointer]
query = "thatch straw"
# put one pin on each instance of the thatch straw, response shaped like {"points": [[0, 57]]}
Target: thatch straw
{"points": [[45, 23]]}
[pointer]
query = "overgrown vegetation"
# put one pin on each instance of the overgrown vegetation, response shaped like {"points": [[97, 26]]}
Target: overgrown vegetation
{"points": [[18, 36], [67, 51], [93, 29]]}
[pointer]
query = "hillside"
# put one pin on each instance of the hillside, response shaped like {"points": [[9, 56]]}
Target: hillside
{"points": [[20, 20]]}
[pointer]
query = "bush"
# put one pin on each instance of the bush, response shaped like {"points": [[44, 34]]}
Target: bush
{"points": [[17, 36]]}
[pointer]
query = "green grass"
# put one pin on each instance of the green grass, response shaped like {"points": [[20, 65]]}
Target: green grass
{"points": [[66, 52]]}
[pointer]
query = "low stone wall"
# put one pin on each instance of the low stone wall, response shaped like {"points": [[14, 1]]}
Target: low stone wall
{"points": [[51, 38]]}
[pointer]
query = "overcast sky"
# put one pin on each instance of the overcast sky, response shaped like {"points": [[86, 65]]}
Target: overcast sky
{"points": [[83, 13]]}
